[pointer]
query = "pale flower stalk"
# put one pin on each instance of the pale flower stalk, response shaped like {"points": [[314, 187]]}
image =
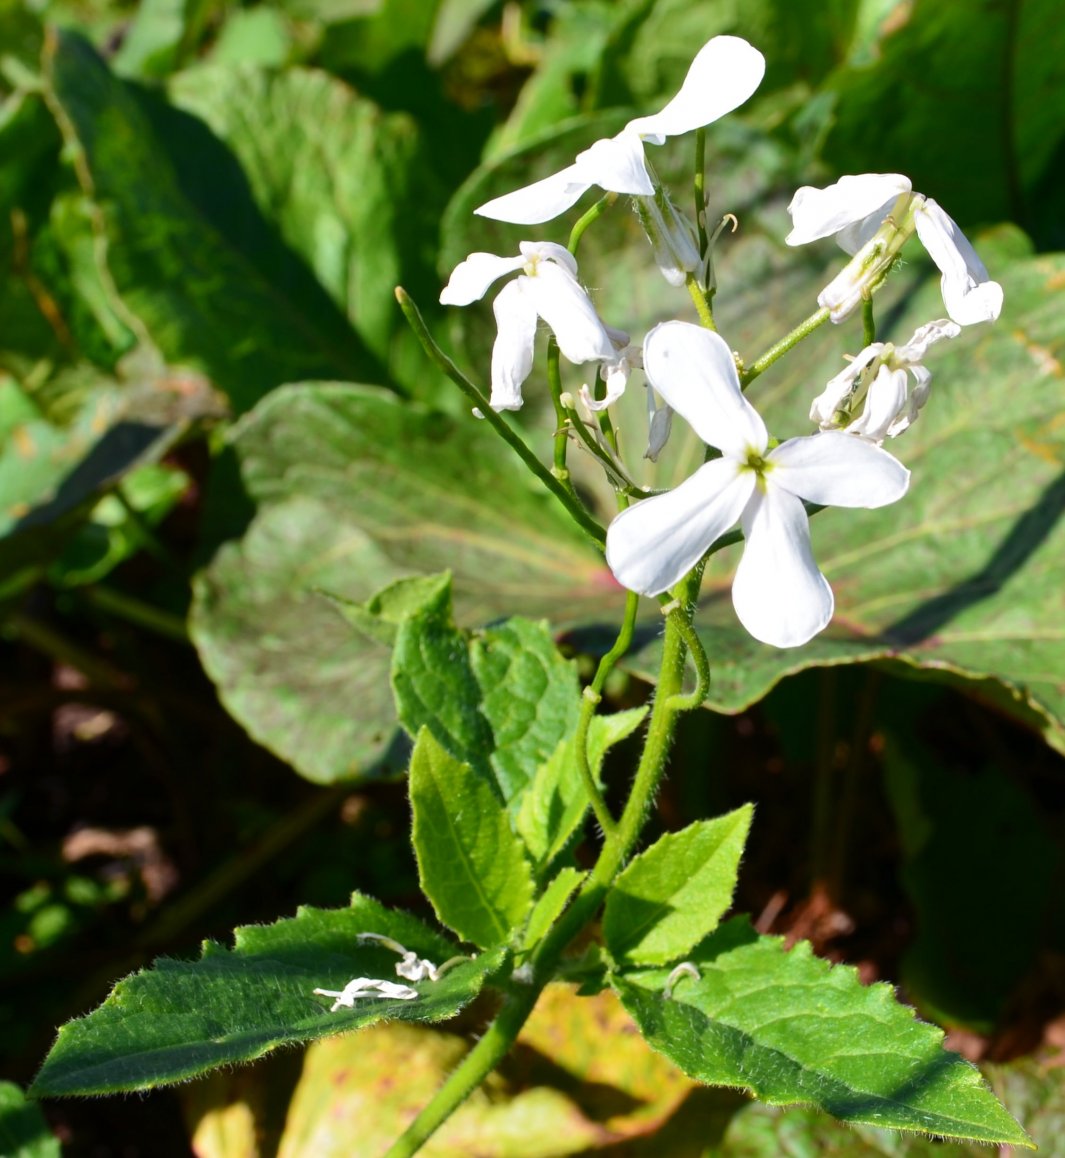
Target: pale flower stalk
{"points": [[724, 74], [779, 594], [871, 216], [877, 382], [546, 287]]}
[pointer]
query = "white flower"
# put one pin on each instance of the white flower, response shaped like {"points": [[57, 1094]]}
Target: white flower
{"points": [[546, 288], [878, 377], [367, 987], [871, 215], [779, 594], [722, 76]]}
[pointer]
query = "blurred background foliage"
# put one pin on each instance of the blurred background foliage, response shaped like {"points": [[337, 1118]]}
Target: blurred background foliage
{"points": [[204, 208]]}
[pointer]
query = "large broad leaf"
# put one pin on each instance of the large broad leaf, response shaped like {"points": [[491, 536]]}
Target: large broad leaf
{"points": [[186, 288], [470, 863], [181, 1018], [346, 187], [355, 490], [1003, 59], [675, 892], [792, 1029]]}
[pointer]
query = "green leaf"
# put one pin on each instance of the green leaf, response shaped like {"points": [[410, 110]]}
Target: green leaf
{"points": [[380, 616], [356, 490], [792, 1029], [182, 1018], [550, 905], [346, 187], [674, 893], [554, 804], [161, 33], [23, 1131], [470, 864], [185, 286]]}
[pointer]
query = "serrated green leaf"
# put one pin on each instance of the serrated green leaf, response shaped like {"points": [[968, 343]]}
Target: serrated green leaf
{"points": [[555, 802], [550, 905], [23, 1131], [470, 864], [794, 1030], [197, 297], [674, 893], [182, 1018]]}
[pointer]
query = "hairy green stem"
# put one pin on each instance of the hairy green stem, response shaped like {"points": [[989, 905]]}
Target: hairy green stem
{"points": [[802, 330], [702, 303], [573, 506]]}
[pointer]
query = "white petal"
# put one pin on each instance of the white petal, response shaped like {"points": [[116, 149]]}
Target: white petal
{"points": [[540, 201], [822, 212], [839, 389], [536, 251], [694, 371], [724, 73], [567, 309], [924, 337], [659, 426], [616, 377], [885, 402], [617, 164], [512, 353], [837, 470], [968, 292], [852, 237], [779, 594], [471, 278], [656, 542]]}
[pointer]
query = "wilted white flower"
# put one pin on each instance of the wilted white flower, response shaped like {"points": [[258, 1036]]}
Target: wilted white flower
{"points": [[547, 287], [367, 987], [878, 382], [724, 73], [779, 594], [871, 215]]}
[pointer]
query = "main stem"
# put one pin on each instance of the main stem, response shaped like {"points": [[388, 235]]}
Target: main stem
{"points": [[520, 1001]]}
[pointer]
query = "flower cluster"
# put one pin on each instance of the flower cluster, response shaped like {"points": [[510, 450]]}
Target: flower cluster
{"points": [[749, 479]]}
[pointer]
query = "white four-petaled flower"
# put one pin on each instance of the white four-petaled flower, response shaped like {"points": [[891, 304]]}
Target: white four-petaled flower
{"points": [[547, 288], [855, 208], [779, 594], [724, 73], [878, 379]]}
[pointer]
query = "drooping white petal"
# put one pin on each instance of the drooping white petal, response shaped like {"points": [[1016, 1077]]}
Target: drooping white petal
{"points": [[541, 201], [656, 542], [536, 251], [616, 163], [817, 213], [923, 338], [884, 404], [659, 425], [512, 352], [471, 278], [694, 371], [852, 237], [968, 291], [837, 470], [567, 309], [724, 74], [779, 594]]}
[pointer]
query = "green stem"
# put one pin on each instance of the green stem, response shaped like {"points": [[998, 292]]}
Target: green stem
{"points": [[590, 700], [702, 304], [803, 330], [593, 214], [554, 384], [503, 1032], [138, 612], [573, 507], [700, 187], [868, 321], [697, 697]]}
